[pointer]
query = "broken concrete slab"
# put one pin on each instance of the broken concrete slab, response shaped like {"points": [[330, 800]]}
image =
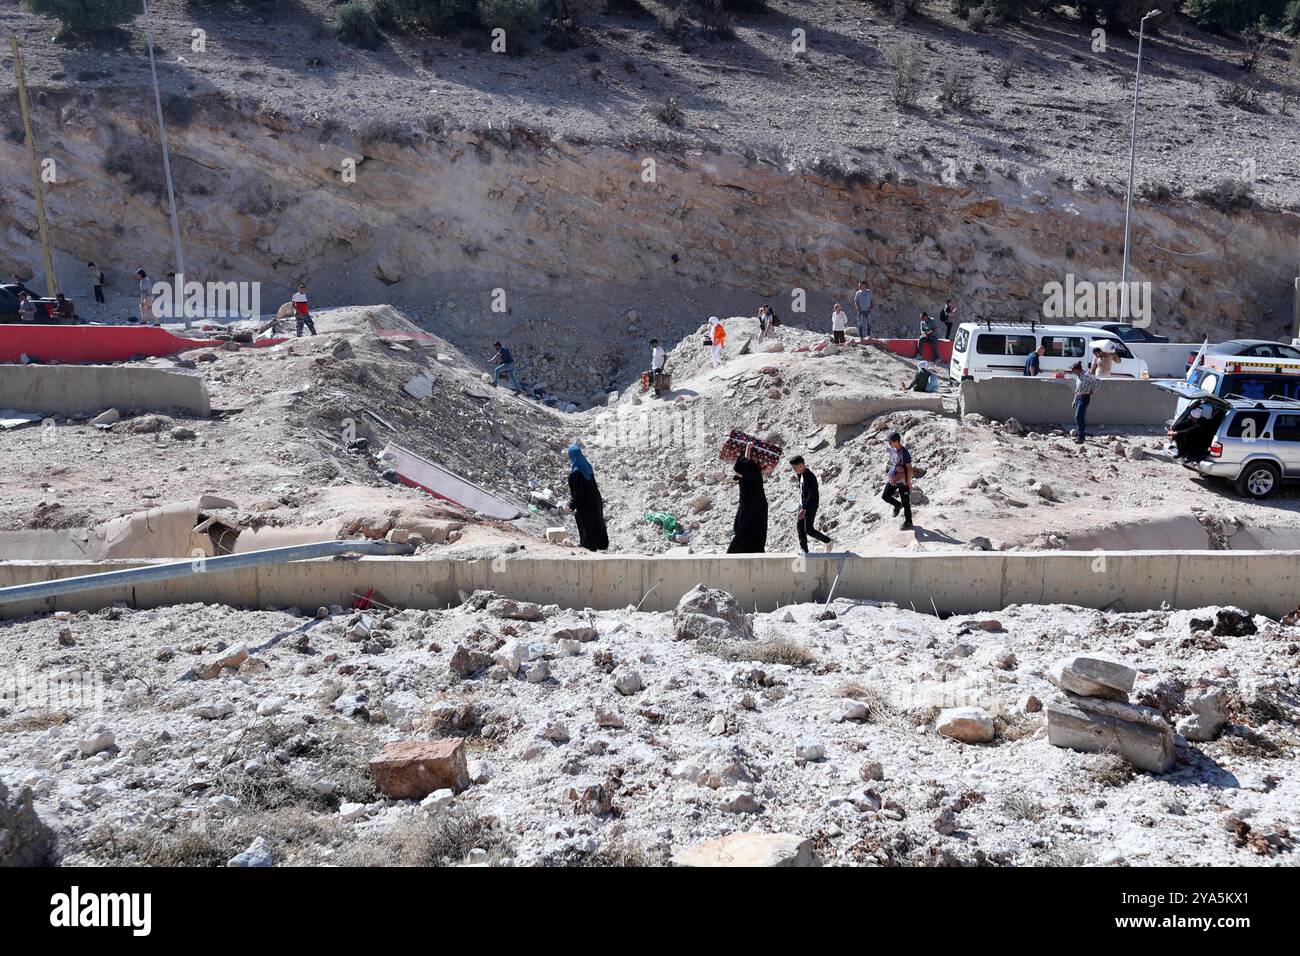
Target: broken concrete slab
{"points": [[438, 481], [854, 408], [11, 419], [419, 386], [89, 389], [750, 849], [1092, 676], [413, 769], [1138, 734]]}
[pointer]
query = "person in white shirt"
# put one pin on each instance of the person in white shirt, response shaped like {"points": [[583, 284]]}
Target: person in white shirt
{"points": [[718, 336], [26, 308], [839, 322], [658, 359], [146, 299], [300, 311]]}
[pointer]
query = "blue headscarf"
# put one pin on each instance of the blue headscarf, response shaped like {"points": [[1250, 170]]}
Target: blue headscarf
{"points": [[579, 461]]}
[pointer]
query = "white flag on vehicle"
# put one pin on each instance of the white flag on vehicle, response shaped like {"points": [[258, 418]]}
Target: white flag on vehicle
{"points": [[1197, 360]]}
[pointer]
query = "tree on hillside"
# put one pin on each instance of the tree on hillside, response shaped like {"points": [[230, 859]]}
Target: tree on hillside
{"points": [[1234, 14], [86, 17]]}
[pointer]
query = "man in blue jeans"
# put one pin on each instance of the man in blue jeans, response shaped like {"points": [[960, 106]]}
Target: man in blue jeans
{"points": [[1085, 383], [862, 302], [929, 336], [503, 363]]}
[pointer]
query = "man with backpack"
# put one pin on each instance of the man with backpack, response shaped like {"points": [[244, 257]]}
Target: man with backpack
{"points": [[97, 286]]}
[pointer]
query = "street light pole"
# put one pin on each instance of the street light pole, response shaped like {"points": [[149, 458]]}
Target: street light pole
{"points": [[1132, 168], [178, 294]]}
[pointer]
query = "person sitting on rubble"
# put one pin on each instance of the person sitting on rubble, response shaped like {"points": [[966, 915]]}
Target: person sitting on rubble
{"points": [[503, 363], [585, 502], [923, 381]]}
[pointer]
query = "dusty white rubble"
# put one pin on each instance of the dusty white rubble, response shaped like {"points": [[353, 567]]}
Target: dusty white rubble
{"points": [[857, 737]]}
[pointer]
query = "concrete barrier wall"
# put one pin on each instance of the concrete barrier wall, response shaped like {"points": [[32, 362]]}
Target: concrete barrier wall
{"points": [[1050, 401], [839, 408], [73, 389], [1165, 359], [1267, 582]]}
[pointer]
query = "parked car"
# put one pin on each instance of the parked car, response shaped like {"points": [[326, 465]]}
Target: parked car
{"points": [[1253, 444], [987, 349], [1255, 348], [9, 303], [1127, 331]]}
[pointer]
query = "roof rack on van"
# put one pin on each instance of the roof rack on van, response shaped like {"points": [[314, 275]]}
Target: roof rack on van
{"points": [[1260, 402], [1029, 323]]}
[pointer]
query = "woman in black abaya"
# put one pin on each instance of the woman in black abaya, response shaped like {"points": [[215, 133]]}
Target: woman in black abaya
{"points": [[750, 528], [585, 502]]}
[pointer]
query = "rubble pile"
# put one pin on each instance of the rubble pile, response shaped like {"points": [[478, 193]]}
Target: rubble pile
{"points": [[501, 731]]}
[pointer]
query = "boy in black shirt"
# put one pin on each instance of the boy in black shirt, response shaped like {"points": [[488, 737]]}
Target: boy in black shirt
{"points": [[809, 500]]}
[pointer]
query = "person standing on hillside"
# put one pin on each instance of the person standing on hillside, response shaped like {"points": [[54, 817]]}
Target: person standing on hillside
{"points": [[947, 315], [898, 480], [718, 335], [767, 323], [1085, 383], [503, 363], [749, 530], [585, 502], [809, 500], [862, 302], [302, 311], [146, 298], [929, 336], [96, 286], [658, 359], [839, 323]]}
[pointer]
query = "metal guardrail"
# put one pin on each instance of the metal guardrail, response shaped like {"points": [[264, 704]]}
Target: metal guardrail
{"points": [[199, 565]]}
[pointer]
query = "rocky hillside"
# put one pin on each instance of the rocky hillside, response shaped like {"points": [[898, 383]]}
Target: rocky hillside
{"points": [[490, 193]]}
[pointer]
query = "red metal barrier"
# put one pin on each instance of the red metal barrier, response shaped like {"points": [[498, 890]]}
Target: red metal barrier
{"points": [[71, 344], [907, 348]]}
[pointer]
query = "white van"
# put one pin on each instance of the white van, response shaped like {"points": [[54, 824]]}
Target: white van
{"points": [[988, 349]]}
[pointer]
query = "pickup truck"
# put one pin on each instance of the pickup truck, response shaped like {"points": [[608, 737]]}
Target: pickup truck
{"points": [[9, 304]]}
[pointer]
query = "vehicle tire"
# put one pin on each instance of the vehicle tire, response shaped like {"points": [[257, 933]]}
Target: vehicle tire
{"points": [[1258, 479]]}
